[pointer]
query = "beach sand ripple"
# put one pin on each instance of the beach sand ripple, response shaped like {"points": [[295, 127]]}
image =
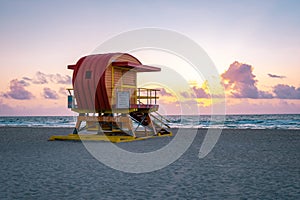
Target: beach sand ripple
{"points": [[244, 164]]}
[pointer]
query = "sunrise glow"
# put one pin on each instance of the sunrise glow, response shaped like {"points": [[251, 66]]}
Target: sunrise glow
{"points": [[254, 47]]}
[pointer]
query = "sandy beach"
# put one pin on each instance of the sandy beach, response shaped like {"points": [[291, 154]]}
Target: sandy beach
{"points": [[243, 164]]}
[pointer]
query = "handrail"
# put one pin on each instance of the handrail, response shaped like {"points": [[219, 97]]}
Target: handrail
{"points": [[148, 96], [161, 120], [157, 113], [161, 116]]}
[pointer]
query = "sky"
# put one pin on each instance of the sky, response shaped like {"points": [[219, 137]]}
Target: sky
{"points": [[255, 46]]}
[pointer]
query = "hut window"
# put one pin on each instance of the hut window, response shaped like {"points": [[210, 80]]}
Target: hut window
{"points": [[88, 74], [129, 77]]}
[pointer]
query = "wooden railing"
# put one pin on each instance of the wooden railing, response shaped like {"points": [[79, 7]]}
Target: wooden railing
{"points": [[148, 95], [145, 96]]}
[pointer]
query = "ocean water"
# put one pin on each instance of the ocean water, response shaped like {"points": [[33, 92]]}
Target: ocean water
{"points": [[38, 121], [288, 121]]}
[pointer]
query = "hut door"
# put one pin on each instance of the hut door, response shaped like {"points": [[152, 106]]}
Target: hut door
{"points": [[123, 100], [124, 81]]}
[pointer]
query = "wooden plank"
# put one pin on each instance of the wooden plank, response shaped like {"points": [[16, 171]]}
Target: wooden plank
{"points": [[104, 119], [147, 97]]}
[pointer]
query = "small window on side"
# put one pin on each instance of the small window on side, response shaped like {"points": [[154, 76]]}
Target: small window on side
{"points": [[88, 74]]}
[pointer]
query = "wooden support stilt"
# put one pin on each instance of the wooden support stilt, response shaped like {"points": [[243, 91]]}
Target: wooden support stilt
{"points": [[77, 126], [152, 125], [130, 126]]}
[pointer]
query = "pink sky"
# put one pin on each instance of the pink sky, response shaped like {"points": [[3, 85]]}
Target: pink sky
{"points": [[45, 94], [255, 46]]}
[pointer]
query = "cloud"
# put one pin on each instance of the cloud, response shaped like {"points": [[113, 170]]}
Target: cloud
{"points": [[196, 92], [63, 91], [22, 83], [286, 92], [39, 78], [164, 92], [185, 94], [18, 91], [60, 79], [200, 92], [276, 76], [27, 79], [42, 78], [240, 80], [50, 94], [265, 95]]}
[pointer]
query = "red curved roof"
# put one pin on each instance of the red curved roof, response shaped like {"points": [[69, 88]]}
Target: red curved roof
{"points": [[89, 88]]}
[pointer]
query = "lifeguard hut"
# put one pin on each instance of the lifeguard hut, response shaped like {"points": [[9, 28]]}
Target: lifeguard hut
{"points": [[110, 107]]}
